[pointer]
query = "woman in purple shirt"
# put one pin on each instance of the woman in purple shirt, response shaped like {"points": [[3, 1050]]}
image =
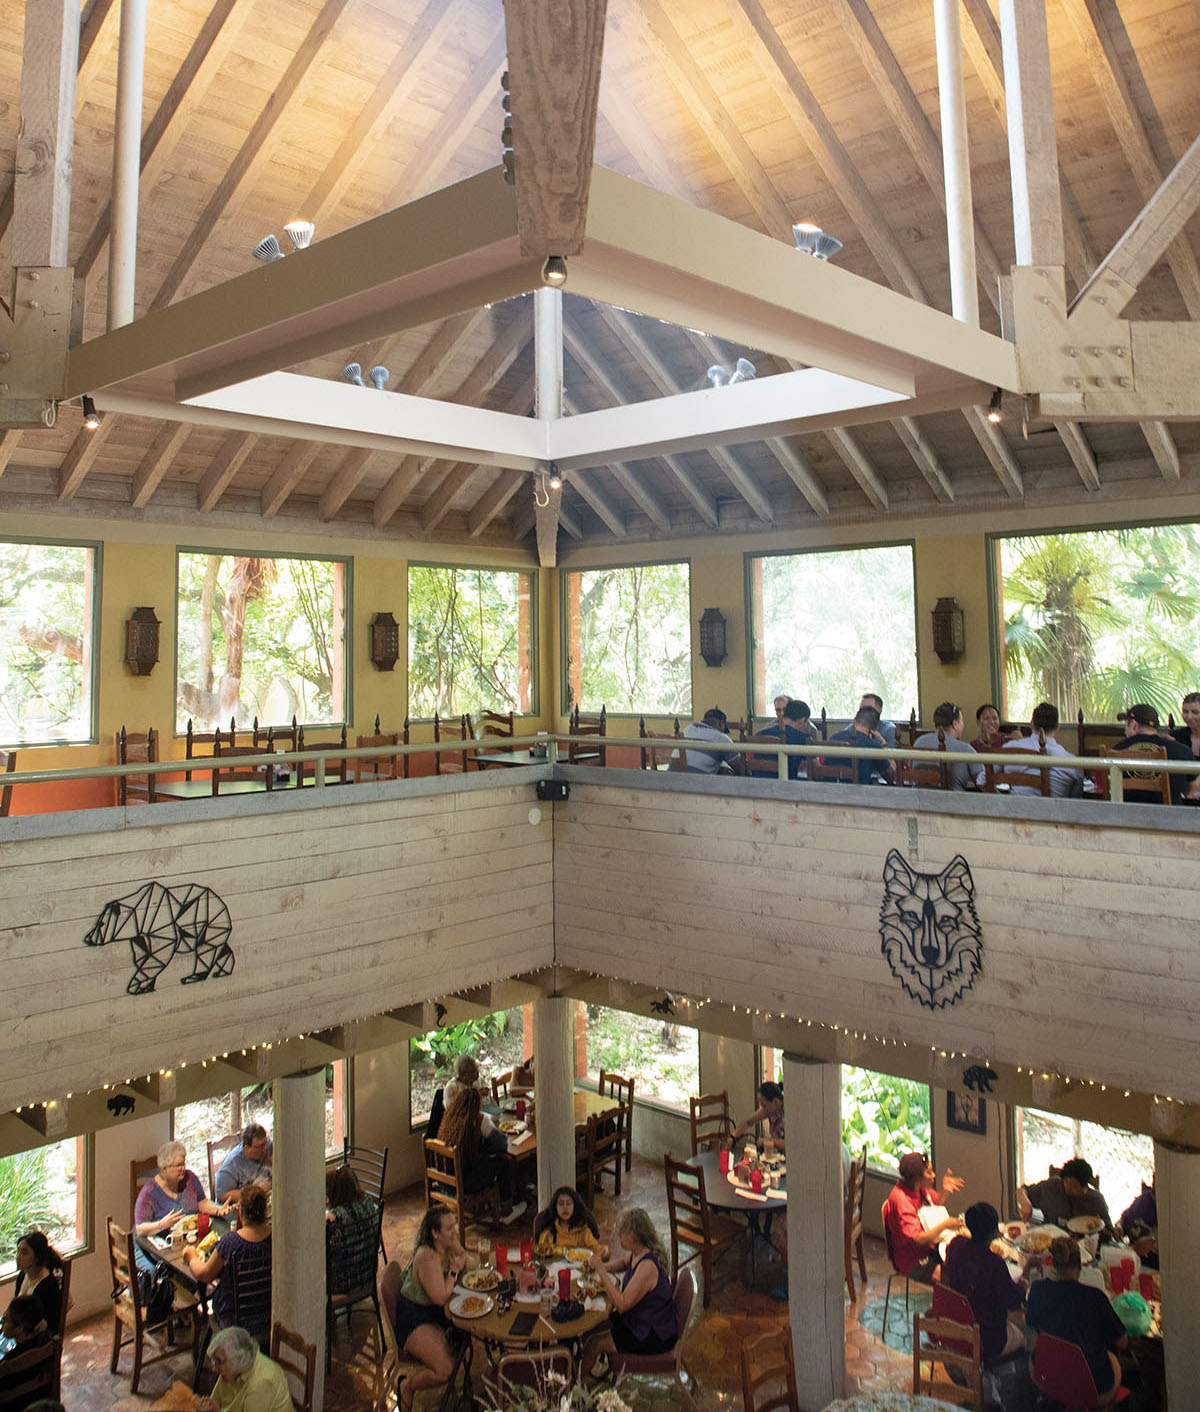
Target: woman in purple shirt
{"points": [[171, 1194], [973, 1269], [643, 1304]]}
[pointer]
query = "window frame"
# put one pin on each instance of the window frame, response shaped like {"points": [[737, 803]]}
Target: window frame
{"points": [[347, 563], [748, 559], [531, 572], [85, 1187], [92, 626]]}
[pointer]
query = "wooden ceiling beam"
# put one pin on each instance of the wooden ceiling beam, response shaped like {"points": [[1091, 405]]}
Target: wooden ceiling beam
{"points": [[457, 479], [1162, 448], [344, 481], [996, 449], [1080, 452], [10, 439], [156, 462], [502, 489], [555, 49], [858, 464], [403, 479], [591, 493], [45, 142], [300, 455], [224, 466], [80, 458], [801, 474], [918, 447], [255, 153]]}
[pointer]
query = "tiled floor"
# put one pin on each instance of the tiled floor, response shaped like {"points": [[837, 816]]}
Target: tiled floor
{"points": [[736, 1312]]}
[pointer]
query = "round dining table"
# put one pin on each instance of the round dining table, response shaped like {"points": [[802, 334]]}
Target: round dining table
{"points": [[727, 1195]]}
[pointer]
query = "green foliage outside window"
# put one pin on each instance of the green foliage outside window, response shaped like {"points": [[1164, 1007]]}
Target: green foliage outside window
{"points": [[259, 638], [836, 624], [1100, 620], [494, 1041], [889, 1114], [662, 1057], [45, 642], [37, 1193], [470, 640]]}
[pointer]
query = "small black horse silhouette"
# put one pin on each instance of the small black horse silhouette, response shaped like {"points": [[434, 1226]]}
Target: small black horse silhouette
{"points": [[120, 1103], [158, 922]]}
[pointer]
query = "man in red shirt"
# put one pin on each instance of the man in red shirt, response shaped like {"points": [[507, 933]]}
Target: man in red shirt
{"points": [[912, 1248]]}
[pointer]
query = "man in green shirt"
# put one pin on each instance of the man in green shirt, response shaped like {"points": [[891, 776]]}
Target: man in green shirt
{"points": [[247, 1380]]}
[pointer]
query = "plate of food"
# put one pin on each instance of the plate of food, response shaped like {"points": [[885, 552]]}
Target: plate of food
{"points": [[1013, 1230], [472, 1306], [577, 1255], [511, 1126], [1085, 1225], [1034, 1242], [479, 1280]]}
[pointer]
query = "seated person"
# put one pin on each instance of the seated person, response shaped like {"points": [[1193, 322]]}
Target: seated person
{"points": [[1082, 1315], [37, 1266], [566, 1224], [243, 1251], [973, 1268], [351, 1235], [247, 1380], [247, 1165], [1064, 783], [171, 1194], [1061, 1197], [949, 718], [1139, 1226], [1188, 735], [714, 727], [770, 1111], [466, 1075], [522, 1076], [775, 726], [990, 736], [864, 734], [643, 1304], [794, 728], [482, 1149], [427, 1287], [887, 729], [23, 1323], [914, 1250], [1141, 728]]}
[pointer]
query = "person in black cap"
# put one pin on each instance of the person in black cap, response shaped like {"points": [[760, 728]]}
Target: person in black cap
{"points": [[714, 727], [1065, 1195], [1141, 729]]}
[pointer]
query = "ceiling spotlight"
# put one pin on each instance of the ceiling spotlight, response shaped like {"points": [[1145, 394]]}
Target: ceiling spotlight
{"points": [[717, 375], [554, 271], [352, 372], [267, 250], [300, 233], [813, 241], [91, 418], [743, 370], [996, 407], [554, 480], [379, 376]]}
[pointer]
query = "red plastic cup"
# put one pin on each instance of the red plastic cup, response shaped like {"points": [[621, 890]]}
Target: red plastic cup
{"points": [[526, 1252], [756, 1180], [520, 1108], [564, 1284], [1119, 1278], [724, 1160], [202, 1224], [501, 1253], [1146, 1284]]}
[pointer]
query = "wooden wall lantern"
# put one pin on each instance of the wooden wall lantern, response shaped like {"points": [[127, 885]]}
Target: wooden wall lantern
{"points": [[949, 636], [385, 642], [712, 637], [141, 641]]}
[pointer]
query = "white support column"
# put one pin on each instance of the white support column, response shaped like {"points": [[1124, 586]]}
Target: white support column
{"points": [[1032, 151], [547, 403], [956, 164], [46, 140], [127, 153], [554, 1053], [813, 1103], [298, 1211], [1177, 1187]]}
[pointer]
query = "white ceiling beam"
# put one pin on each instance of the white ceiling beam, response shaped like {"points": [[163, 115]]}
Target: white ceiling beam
{"points": [[926, 458], [457, 479], [856, 462]]}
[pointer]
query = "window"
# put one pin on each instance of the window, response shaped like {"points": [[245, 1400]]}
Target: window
{"points": [[1098, 620], [828, 626], [471, 635], [661, 1056], [629, 640], [261, 638], [496, 1042], [206, 1120], [47, 614], [43, 1190], [1122, 1160], [889, 1114]]}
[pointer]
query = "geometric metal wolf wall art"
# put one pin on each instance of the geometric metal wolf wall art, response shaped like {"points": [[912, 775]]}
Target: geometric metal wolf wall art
{"points": [[930, 933], [161, 922]]}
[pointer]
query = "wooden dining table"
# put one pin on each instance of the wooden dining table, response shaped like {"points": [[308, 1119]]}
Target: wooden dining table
{"points": [[524, 1146]]}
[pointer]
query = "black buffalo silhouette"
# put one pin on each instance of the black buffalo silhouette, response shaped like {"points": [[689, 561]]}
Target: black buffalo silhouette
{"points": [[159, 922]]}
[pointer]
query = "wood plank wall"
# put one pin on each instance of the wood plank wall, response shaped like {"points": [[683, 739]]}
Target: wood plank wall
{"points": [[338, 912], [1091, 966]]}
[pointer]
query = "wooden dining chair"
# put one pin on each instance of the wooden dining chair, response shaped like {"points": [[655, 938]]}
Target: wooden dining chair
{"points": [[133, 748], [711, 1121], [670, 1363], [217, 1150], [937, 1344], [603, 1150], [526, 1369], [922, 774], [769, 1373], [1018, 773], [31, 1375], [193, 738], [451, 762], [8, 763], [396, 1363], [693, 1222], [298, 1359], [130, 1326], [852, 1222], [443, 1186], [1145, 781], [500, 1085], [584, 752], [361, 1279], [763, 767], [337, 766], [827, 771], [654, 756], [226, 770], [493, 728], [618, 1087], [379, 767], [141, 1170]]}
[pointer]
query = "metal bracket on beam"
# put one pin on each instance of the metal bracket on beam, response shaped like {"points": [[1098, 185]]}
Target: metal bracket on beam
{"points": [[33, 347]]}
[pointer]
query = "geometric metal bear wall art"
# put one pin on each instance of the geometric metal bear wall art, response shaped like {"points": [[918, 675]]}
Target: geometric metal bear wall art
{"points": [[930, 933], [162, 922]]}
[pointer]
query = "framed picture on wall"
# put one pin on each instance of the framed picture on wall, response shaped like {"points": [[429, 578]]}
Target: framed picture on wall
{"points": [[966, 1112]]}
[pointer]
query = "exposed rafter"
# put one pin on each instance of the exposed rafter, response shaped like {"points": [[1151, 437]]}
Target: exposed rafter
{"points": [[856, 462]]}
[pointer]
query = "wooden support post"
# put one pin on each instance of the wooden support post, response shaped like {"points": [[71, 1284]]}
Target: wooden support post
{"points": [[554, 1054], [42, 179], [548, 403], [814, 1227], [1177, 1187], [298, 1211], [1032, 153]]}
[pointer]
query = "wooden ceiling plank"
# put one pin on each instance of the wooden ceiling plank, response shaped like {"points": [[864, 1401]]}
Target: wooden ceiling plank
{"points": [[801, 474], [1162, 448], [41, 224], [1080, 452], [225, 465], [911, 122], [995, 448], [926, 458], [856, 462], [632, 483], [555, 49], [300, 455], [80, 458], [591, 493], [344, 481], [502, 489], [157, 462], [164, 130], [391, 94], [255, 153]]}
